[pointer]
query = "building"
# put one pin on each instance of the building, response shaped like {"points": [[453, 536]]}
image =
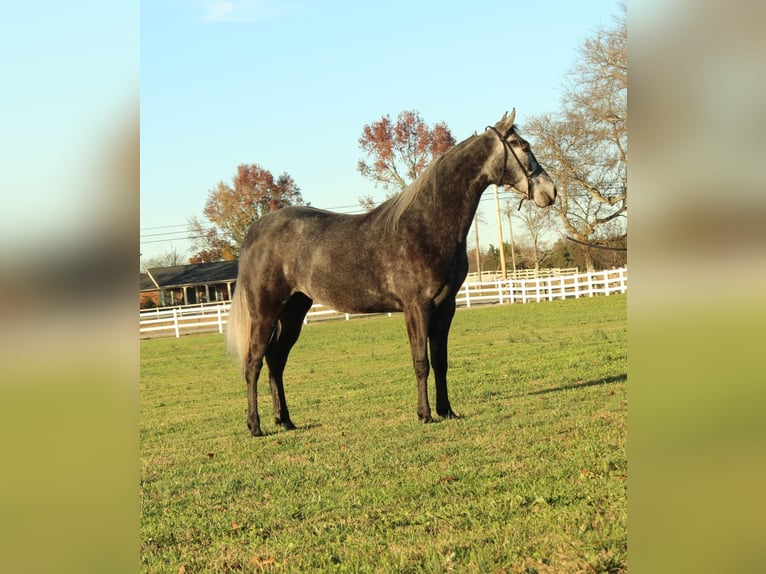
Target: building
{"points": [[149, 292], [188, 284]]}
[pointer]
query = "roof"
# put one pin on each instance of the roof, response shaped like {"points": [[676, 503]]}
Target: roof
{"points": [[146, 283], [194, 274]]}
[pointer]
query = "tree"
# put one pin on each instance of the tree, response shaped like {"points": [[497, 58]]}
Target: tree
{"points": [[398, 152], [585, 148], [209, 243], [523, 253], [565, 254], [536, 222], [170, 258], [492, 258], [232, 208]]}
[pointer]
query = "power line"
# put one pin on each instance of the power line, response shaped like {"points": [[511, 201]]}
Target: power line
{"points": [[190, 237], [178, 234], [170, 233], [165, 226]]}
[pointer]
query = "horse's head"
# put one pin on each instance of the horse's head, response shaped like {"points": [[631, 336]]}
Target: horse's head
{"points": [[520, 169]]}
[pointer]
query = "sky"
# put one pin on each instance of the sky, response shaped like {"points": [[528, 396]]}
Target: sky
{"points": [[289, 85]]}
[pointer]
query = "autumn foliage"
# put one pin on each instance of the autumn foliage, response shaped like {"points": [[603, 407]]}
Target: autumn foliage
{"points": [[232, 207], [397, 152]]}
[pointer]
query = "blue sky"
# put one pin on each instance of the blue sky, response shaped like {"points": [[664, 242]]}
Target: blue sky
{"points": [[290, 84]]}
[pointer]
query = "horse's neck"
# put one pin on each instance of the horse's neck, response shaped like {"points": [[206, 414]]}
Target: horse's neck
{"points": [[459, 180]]}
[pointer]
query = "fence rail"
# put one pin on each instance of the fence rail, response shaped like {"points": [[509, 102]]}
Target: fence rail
{"points": [[520, 274], [213, 316]]}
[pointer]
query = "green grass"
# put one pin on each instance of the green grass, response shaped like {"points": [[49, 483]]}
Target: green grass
{"points": [[532, 478]]}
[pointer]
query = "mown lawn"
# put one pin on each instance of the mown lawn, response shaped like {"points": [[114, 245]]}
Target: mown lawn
{"points": [[532, 478]]}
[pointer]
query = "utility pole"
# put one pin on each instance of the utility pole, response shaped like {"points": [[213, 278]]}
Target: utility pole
{"points": [[500, 234], [478, 254], [508, 213]]}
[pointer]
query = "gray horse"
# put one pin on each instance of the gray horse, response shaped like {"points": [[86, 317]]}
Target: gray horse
{"points": [[408, 254]]}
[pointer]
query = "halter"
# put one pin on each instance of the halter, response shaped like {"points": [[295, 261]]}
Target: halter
{"points": [[506, 146]]}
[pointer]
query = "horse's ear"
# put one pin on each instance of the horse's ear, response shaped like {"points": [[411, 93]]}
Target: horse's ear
{"points": [[506, 121]]}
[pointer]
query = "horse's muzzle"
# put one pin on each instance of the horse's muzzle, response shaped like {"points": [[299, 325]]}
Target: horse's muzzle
{"points": [[543, 190]]}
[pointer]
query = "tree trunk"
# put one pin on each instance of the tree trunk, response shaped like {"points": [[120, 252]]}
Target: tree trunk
{"points": [[588, 255]]}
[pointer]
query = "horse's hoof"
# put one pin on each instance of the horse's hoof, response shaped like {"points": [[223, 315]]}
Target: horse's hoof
{"points": [[450, 414], [255, 430], [288, 425], [426, 419]]}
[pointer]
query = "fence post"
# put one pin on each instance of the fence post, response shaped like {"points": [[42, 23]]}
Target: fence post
{"points": [[175, 322], [500, 291], [220, 320], [467, 295]]}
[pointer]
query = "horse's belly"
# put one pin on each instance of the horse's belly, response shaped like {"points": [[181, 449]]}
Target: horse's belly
{"points": [[346, 280], [356, 301], [352, 293]]}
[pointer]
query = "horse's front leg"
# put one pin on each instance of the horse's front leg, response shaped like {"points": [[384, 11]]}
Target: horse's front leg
{"points": [[438, 332], [417, 330]]}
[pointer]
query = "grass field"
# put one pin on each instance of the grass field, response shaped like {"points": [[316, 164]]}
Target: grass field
{"points": [[532, 478]]}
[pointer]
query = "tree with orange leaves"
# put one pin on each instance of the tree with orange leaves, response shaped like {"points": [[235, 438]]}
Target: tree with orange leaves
{"points": [[232, 208], [398, 152]]}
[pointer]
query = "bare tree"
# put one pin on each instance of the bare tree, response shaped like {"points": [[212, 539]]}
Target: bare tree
{"points": [[536, 222], [585, 147], [170, 258]]}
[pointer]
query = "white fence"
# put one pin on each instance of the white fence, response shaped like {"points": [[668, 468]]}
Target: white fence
{"points": [[213, 316], [205, 317], [520, 274]]}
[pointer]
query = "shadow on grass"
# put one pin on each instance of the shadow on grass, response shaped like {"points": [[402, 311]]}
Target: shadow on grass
{"points": [[308, 426], [279, 431], [621, 378]]}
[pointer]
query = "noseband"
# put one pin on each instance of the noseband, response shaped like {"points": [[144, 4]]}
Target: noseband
{"points": [[527, 174]]}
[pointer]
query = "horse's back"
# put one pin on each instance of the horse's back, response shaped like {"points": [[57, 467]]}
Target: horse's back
{"points": [[281, 238], [294, 231], [334, 259]]}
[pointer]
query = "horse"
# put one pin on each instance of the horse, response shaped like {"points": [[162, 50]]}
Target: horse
{"points": [[406, 255]]}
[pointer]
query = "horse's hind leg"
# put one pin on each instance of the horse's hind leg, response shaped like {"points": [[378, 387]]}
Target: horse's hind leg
{"points": [[263, 318], [438, 331], [285, 335], [260, 332]]}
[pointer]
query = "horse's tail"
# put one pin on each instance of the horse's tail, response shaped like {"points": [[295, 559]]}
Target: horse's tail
{"points": [[238, 327]]}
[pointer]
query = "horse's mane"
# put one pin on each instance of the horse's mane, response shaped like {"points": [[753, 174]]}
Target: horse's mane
{"points": [[392, 209]]}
